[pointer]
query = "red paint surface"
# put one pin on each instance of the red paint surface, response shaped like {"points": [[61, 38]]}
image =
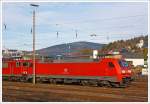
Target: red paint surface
{"points": [[100, 68]]}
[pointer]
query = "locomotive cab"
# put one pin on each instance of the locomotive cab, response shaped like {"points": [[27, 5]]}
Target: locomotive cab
{"points": [[16, 69]]}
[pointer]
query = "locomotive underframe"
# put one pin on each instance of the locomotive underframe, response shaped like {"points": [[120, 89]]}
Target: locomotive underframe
{"points": [[106, 81]]}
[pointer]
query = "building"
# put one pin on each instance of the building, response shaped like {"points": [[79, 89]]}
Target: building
{"points": [[11, 54], [140, 44], [136, 61]]}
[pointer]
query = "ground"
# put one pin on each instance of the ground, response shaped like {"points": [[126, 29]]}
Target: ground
{"points": [[27, 92]]}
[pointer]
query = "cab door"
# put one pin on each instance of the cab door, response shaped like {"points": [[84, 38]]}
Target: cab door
{"points": [[25, 67], [12, 67], [110, 68]]}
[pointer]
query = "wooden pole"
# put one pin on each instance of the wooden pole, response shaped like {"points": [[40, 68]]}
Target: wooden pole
{"points": [[34, 71]]}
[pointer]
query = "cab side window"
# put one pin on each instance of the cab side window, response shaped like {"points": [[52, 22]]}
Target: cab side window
{"points": [[25, 64], [18, 64], [5, 65], [111, 65]]}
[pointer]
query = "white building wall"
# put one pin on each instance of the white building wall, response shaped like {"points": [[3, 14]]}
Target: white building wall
{"points": [[95, 54], [144, 71], [136, 61]]}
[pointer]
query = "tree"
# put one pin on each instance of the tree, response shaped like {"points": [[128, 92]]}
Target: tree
{"points": [[86, 51], [145, 52]]}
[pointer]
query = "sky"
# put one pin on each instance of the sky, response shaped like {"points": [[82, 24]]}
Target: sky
{"points": [[110, 21], [75, 0]]}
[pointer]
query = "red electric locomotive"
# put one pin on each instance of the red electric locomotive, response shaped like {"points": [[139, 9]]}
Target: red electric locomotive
{"points": [[105, 72]]}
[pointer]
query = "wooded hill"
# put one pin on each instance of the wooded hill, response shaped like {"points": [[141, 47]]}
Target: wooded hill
{"points": [[128, 47]]}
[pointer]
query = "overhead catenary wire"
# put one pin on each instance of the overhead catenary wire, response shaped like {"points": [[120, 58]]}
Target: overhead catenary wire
{"points": [[99, 19], [90, 21], [86, 21]]}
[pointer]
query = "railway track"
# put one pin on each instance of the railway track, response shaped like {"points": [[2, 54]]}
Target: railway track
{"points": [[71, 87], [18, 91]]}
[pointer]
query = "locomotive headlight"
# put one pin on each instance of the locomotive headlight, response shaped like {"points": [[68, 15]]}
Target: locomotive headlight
{"points": [[123, 71], [129, 71]]}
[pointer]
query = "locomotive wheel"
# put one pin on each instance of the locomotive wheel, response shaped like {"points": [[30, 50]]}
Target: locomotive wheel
{"points": [[128, 82], [23, 79], [52, 81], [84, 82], [100, 85], [106, 83], [115, 85], [30, 79], [11, 78], [93, 83]]}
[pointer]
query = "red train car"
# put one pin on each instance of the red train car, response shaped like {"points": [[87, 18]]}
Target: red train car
{"points": [[106, 72]]}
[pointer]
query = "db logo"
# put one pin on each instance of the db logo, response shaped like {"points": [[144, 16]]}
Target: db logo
{"points": [[65, 70]]}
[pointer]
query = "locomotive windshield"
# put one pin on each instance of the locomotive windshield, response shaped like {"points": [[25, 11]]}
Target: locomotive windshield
{"points": [[123, 63]]}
